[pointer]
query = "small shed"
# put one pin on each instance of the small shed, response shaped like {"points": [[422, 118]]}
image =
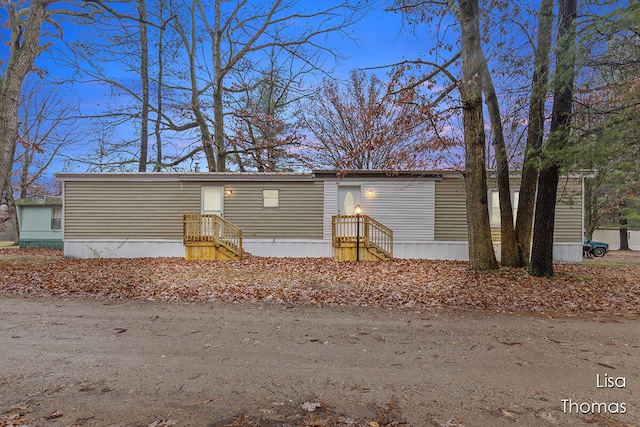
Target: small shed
{"points": [[40, 220]]}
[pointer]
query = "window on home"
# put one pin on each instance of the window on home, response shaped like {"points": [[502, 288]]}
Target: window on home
{"points": [[494, 207], [271, 198], [56, 218]]}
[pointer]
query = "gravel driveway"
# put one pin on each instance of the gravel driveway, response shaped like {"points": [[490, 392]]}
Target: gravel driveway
{"points": [[92, 363]]}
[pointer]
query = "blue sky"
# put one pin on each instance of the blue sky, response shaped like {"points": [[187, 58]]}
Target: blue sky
{"points": [[379, 39]]}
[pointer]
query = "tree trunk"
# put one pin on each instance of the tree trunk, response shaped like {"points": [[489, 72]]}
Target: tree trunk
{"points": [[218, 110], [218, 130], [544, 222], [509, 253], [160, 82], [542, 249], [624, 236], [12, 210], [535, 131], [24, 47], [481, 254], [590, 208], [190, 42], [144, 77]]}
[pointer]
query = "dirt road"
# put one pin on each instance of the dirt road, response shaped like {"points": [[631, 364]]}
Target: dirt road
{"points": [[91, 363]]}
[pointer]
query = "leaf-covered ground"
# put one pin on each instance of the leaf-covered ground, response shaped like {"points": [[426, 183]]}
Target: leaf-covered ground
{"points": [[609, 286]]}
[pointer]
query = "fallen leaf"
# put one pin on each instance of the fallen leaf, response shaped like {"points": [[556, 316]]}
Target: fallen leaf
{"points": [[308, 406], [507, 414], [584, 289], [163, 423], [53, 415]]}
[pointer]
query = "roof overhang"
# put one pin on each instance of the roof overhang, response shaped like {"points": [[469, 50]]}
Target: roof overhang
{"points": [[175, 176]]}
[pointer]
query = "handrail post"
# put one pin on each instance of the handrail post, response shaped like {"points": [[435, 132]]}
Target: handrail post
{"points": [[216, 230], [357, 237], [365, 226]]}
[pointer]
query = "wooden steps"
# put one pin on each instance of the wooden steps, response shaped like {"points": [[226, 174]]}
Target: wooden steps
{"points": [[375, 241], [211, 237]]}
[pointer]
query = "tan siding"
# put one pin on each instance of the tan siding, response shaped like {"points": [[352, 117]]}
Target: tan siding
{"points": [[568, 226], [127, 209], [299, 214], [450, 211]]}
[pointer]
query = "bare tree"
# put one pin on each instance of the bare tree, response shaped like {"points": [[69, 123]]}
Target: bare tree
{"points": [[47, 126], [26, 24], [264, 131], [238, 35], [24, 46], [118, 46], [365, 124]]}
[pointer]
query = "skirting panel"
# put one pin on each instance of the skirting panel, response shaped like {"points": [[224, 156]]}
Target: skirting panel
{"points": [[567, 253], [563, 253], [285, 248], [123, 248], [452, 251]]}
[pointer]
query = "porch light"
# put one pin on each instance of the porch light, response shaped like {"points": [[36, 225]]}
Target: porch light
{"points": [[370, 193], [228, 192], [357, 209]]}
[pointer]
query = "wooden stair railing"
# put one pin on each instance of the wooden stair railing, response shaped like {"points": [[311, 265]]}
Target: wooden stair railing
{"points": [[379, 237], [212, 231], [375, 237]]}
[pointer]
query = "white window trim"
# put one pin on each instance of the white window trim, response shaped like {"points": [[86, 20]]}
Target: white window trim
{"points": [[514, 206], [274, 202], [59, 217]]}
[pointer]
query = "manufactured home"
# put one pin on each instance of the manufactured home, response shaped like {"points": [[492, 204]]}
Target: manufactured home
{"points": [[40, 220], [287, 214]]}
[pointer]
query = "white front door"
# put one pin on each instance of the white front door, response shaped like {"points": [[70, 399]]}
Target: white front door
{"points": [[348, 198], [212, 199]]}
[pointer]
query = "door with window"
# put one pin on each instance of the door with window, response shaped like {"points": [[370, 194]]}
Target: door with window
{"points": [[348, 198]]}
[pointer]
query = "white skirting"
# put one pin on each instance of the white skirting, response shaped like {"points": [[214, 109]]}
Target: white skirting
{"points": [[105, 248], [563, 252], [290, 248], [568, 253]]}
